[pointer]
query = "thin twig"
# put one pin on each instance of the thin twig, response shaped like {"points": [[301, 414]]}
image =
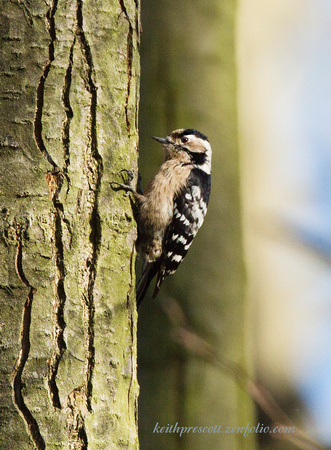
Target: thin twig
{"points": [[200, 348]]}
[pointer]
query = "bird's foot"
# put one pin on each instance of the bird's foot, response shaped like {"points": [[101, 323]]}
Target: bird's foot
{"points": [[127, 187]]}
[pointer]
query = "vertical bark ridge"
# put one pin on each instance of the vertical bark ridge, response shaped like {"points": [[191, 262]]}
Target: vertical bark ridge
{"points": [[131, 323], [68, 112], [30, 422], [93, 172], [55, 181], [38, 126], [129, 62]]}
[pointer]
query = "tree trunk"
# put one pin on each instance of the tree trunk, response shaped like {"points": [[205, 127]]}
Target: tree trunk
{"points": [[69, 76]]}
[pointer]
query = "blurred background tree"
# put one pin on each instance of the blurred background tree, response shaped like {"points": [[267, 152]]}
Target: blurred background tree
{"points": [[266, 62], [189, 81], [284, 104]]}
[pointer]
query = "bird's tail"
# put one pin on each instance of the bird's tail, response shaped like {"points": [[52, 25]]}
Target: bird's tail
{"points": [[148, 273]]}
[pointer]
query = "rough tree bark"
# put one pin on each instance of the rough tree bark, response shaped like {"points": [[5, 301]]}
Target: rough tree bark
{"points": [[69, 93]]}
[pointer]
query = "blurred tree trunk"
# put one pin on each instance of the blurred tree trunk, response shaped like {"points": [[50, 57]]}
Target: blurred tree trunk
{"points": [[69, 76], [189, 80]]}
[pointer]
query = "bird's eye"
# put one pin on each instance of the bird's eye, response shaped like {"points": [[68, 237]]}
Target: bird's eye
{"points": [[184, 139]]}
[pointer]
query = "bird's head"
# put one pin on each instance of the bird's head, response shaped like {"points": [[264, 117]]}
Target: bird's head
{"points": [[188, 146]]}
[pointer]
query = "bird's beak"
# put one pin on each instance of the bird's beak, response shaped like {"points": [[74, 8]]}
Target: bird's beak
{"points": [[159, 139]]}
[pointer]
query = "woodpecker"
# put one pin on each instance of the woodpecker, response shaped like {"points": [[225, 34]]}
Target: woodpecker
{"points": [[173, 207]]}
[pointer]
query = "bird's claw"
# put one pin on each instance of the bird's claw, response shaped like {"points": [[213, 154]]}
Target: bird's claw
{"points": [[129, 173], [121, 186]]}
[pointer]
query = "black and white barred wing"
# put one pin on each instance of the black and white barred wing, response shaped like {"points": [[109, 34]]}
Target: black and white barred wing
{"points": [[190, 207]]}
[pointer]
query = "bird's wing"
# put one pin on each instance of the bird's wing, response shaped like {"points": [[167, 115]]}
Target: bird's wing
{"points": [[190, 207]]}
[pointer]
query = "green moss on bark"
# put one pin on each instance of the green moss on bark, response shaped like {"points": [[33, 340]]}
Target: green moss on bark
{"points": [[69, 82]]}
